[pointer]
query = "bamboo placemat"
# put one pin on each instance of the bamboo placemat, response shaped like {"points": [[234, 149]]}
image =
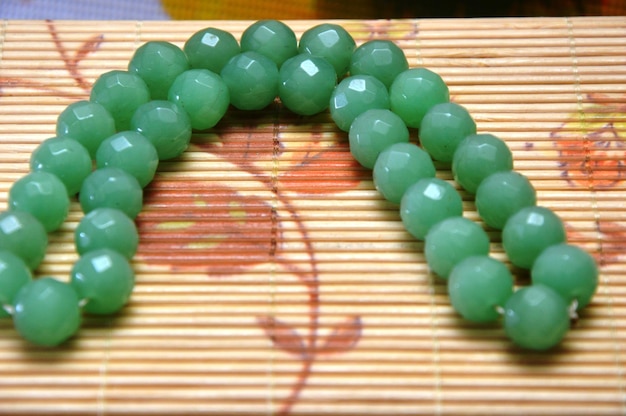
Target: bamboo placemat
{"points": [[273, 278]]}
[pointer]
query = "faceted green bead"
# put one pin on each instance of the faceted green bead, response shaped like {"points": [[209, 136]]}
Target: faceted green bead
{"points": [[23, 235], [331, 42], [477, 286], [166, 125], [477, 157], [210, 49], [14, 274], [398, 167], [443, 127], [86, 122], [306, 83], [530, 231], [131, 152], [67, 159], [46, 312], [372, 132], [382, 59], [111, 188], [452, 240], [569, 270], [105, 278], [428, 202], [203, 95], [355, 95], [501, 195], [536, 317], [107, 228], [121, 93], [271, 38], [158, 63], [252, 80], [414, 92]]}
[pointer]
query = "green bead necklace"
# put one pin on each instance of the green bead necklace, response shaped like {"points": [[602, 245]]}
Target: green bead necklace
{"points": [[136, 118]]}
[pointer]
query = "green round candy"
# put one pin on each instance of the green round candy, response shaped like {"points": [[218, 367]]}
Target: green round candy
{"points": [[569, 270], [477, 157], [530, 231], [305, 84], [107, 228], [131, 152], [86, 122], [210, 49], [46, 312], [158, 63], [65, 158], [42, 195], [14, 274], [372, 132], [398, 167], [536, 317], [23, 235], [414, 92], [166, 125], [428, 202], [120, 93], [355, 95], [111, 188], [501, 195], [105, 279], [252, 80], [203, 95], [443, 127], [331, 42], [477, 286], [452, 240], [271, 38], [382, 59]]}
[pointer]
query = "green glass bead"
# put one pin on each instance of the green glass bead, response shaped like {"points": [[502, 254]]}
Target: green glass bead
{"points": [[252, 80], [131, 152], [355, 95], [166, 125], [382, 59], [501, 195], [105, 279], [271, 38], [331, 42], [210, 48], [42, 195], [120, 93], [23, 235], [86, 122], [452, 240], [46, 312], [536, 317], [203, 95], [477, 286], [428, 202], [305, 84], [569, 270], [530, 231], [107, 228], [477, 157], [65, 158], [443, 127], [111, 188], [14, 274], [158, 63], [398, 167], [414, 92], [372, 132]]}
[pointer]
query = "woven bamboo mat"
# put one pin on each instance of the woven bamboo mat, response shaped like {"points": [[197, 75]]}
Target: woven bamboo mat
{"points": [[272, 278]]}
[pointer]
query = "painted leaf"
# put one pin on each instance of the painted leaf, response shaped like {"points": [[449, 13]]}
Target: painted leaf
{"points": [[344, 336], [282, 335]]}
